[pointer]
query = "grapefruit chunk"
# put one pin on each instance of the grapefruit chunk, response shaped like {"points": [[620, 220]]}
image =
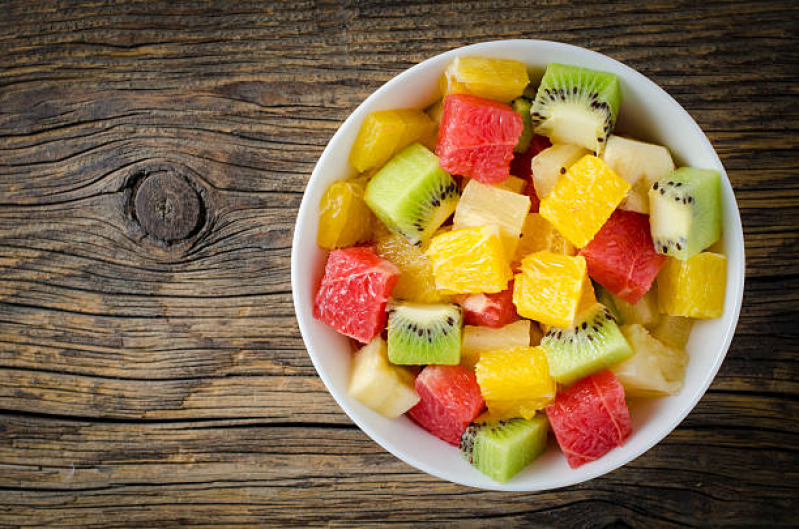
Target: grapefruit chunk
{"points": [[590, 418], [491, 310], [622, 257], [353, 294], [477, 137], [450, 400]]}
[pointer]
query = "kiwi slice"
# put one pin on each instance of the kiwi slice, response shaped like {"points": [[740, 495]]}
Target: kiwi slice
{"points": [[606, 298], [412, 195], [500, 449], [577, 106], [685, 212], [522, 107], [593, 343], [421, 334]]}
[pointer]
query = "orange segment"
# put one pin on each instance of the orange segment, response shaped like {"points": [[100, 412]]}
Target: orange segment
{"points": [[583, 199], [498, 79], [550, 288], [693, 288], [344, 219], [515, 382], [386, 132], [538, 235], [470, 261]]}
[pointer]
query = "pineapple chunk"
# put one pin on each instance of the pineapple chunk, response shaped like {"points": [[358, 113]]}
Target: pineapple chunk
{"points": [[654, 369], [416, 281], [512, 183], [498, 79], [538, 235], [344, 219], [551, 288], [645, 312], [641, 164], [551, 163], [379, 385], [470, 261], [386, 132], [482, 205], [693, 288], [673, 331], [480, 339], [583, 200]]}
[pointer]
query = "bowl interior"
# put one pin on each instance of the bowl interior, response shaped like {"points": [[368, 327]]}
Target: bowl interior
{"points": [[646, 113]]}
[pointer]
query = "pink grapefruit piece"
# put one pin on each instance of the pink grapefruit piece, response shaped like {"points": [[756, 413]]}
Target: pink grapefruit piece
{"points": [[489, 310], [590, 418], [476, 138], [354, 290], [450, 400]]}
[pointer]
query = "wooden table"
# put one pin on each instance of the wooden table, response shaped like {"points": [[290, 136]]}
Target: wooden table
{"points": [[152, 158]]}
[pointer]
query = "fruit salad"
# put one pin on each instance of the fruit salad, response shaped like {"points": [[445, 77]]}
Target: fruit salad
{"points": [[507, 265]]}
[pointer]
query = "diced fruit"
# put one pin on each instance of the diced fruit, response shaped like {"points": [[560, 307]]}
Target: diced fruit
{"points": [[641, 164], [583, 199], [449, 401], [482, 205], [353, 294], [673, 331], [514, 184], [501, 449], [521, 164], [549, 288], [607, 299], [421, 334], [515, 382], [590, 418], [470, 261], [522, 107], [344, 219], [498, 79], [436, 110], [412, 195], [477, 340], [576, 105], [685, 212], [491, 310], [693, 288], [416, 281], [538, 235], [654, 369], [550, 164], [645, 312], [593, 343], [388, 390], [386, 132], [477, 137], [621, 256]]}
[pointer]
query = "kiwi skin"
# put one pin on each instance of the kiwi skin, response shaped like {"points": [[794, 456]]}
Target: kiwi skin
{"points": [[422, 334]]}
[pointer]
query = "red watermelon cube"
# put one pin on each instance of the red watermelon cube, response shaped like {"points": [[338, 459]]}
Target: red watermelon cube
{"points": [[354, 291], [490, 310], [590, 418], [450, 400], [477, 137], [622, 258]]}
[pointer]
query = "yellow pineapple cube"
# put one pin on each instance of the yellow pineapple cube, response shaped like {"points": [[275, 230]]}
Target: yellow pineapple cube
{"points": [[538, 235], [551, 288], [515, 382], [583, 199], [386, 132], [416, 281], [482, 205], [498, 79], [344, 217], [693, 288], [470, 261], [512, 183], [478, 339]]}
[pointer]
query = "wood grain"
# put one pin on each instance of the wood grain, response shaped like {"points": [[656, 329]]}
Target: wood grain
{"points": [[154, 382]]}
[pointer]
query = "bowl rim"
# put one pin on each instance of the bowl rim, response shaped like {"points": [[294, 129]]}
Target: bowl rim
{"points": [[736, 242]]}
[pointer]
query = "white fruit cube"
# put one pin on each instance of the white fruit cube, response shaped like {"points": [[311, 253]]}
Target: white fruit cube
{"points": [[379, 385], [549, 164], [654, 369], [641, 164], [478, 339]]}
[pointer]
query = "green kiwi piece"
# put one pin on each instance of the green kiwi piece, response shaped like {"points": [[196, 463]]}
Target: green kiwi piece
{"points": [[606, 298], [577, 106], [593, 343], [500, 449], [685, 212], [421, 334], [522, 107], [412, 195]]}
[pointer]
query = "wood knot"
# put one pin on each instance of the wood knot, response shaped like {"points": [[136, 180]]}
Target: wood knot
{"points": [[168, 207]]}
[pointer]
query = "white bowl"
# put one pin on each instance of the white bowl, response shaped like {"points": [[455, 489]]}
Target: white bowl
{"points": [[647, 113]]}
